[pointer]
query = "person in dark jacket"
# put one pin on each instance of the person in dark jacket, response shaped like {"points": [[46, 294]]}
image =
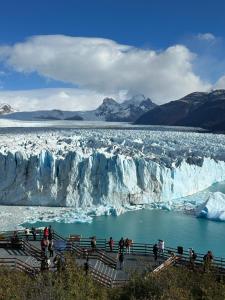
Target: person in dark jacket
{"points": [[121, 245], [155, 251], [86, 266], [111, 244], [121, 260]]}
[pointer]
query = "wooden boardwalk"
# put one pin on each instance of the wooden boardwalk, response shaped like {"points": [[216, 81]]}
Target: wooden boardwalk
{"points": [[103, 264]]}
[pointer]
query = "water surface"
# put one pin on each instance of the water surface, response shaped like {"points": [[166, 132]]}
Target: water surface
{"points": [[148, 226]]}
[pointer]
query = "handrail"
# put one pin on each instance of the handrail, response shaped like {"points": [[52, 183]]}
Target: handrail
{"points": [[32, 250], [19, 265], [105, 279], [166, 263], [136, 248], [97, 253]]}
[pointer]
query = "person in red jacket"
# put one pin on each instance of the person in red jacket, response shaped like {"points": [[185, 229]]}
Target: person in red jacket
{"points": [[46, 232]]}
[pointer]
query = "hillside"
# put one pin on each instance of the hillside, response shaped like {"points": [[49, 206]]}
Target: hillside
{"points": [[206, 110]]}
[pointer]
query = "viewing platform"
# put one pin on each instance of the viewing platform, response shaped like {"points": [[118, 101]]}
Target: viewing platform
{"points": [[103, 265]]}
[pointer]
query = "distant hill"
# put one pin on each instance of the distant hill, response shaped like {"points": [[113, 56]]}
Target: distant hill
{"points": [[109, 110], [206, 110]]}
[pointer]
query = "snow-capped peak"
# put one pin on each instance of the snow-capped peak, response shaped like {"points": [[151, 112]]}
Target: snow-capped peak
{"points": [[108, 106], [135, 100], [6, 109]]}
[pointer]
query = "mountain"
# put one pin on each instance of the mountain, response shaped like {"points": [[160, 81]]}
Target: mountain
{"points": [[6, 109], [127, 111], [199, 109], [109, 110]]}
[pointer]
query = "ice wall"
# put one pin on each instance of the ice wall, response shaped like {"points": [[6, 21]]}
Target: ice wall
{"points": [[81, 179]]}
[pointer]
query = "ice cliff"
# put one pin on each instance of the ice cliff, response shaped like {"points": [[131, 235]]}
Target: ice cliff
{"points": [[112, 168]]}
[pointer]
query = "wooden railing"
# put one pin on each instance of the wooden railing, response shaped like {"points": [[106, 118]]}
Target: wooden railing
{"points": [[106, 280], [167, 263], [16, 263], [136, 249], [84, 251], [32, 250]]}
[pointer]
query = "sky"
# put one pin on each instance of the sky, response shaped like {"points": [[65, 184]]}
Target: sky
{"points": [[71, 54]]}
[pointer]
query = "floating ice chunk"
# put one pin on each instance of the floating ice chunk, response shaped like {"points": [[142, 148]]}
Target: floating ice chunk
{"points": [[214, 207]]}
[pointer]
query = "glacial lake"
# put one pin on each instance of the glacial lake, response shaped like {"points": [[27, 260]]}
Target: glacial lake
{"points": [[147, 226]]}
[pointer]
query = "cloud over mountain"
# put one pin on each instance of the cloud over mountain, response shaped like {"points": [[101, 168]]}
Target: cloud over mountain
{"points": [[106, 67]]}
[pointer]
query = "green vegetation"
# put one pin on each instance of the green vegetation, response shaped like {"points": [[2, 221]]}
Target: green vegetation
{"points": [[72, 283]]}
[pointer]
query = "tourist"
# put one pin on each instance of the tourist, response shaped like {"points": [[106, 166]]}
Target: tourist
{"points": [[15, 241], [46, 242], [34, 233], [128, 244], [45, 264], [27, 232], [49, 263], [111, 244], [59, 262], [121, 245], [46, 232], [86, 266], [50, 233], [155, 251], [121, 260], [44, 246], [207, 261], [50, 248], [192, 257], [161, 246], [93, 243]]}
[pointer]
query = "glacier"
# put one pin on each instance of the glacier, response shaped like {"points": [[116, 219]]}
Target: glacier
{"points": [[107, 170]]}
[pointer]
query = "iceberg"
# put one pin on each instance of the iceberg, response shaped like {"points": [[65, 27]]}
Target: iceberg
{"points": [[214, 207]]}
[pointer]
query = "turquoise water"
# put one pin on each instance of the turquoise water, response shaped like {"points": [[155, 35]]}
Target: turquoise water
{"points": [[149, 225]]}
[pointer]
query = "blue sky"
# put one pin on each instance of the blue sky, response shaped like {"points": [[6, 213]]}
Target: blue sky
{"points": [[146, 46]]}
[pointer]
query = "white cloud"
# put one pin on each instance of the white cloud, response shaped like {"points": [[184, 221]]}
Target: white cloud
{"points": [[57, 98], [206, 36], [106, 67], [220, 84]]}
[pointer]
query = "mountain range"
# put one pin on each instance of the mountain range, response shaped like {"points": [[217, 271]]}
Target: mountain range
{"points": [[199, 109], [109, 110]]}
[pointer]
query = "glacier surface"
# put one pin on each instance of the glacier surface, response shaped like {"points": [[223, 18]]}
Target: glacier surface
{"points": [[115, 169]]}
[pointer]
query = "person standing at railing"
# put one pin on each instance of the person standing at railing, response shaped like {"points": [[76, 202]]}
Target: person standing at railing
{"points": [[111, 244], [207, 261], [93, 243], [128, 244], [192, 257], [121, 245], [34, 233], [27, 232], [46, 232], [155, 250], [15, 241], [161, 247]]}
